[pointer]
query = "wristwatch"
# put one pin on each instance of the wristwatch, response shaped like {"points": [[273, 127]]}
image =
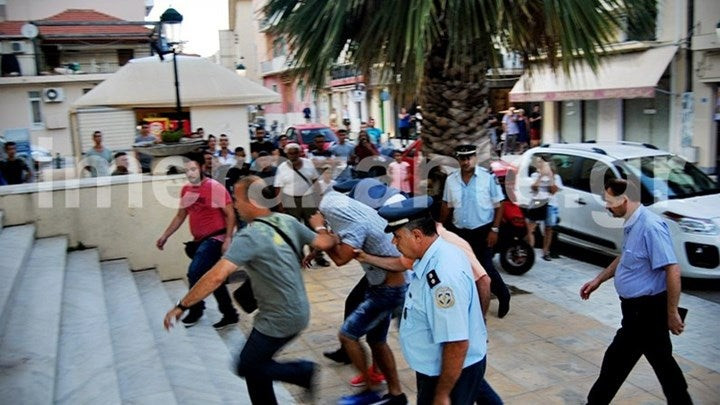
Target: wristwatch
{"points": [[495, 229], [181, 306]]}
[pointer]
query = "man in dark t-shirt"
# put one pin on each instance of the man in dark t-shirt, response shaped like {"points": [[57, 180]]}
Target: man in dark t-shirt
{"points": [[535, 126], [260, 144], [14, 170]]}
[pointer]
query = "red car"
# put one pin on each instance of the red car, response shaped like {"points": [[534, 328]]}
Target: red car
{"points": [[304, 135]]}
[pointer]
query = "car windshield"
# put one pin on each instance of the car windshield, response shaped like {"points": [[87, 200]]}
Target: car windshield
{"points": [[670, 177], [308, 135]]}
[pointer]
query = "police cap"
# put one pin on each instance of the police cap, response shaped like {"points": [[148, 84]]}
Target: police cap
{"points": [[402, 212], [465, 150]]}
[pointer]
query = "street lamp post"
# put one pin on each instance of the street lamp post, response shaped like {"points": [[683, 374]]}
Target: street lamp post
{"points": [[170, 32]]}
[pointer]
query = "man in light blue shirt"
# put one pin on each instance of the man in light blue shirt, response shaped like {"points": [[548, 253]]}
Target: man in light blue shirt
{"points": [[647, 278], [442, 332], [472, 199]]}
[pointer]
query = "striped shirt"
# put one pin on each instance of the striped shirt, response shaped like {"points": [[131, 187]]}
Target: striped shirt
{"points": [[360, 227]]}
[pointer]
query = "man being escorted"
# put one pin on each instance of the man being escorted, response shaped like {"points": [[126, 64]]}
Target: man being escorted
{"points": [[647, 278], [264, 249], [212, 224], [442, 332]]}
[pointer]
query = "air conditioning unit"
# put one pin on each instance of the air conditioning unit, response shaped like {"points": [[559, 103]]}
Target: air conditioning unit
{"points": [[53, 95], [17, 47]]}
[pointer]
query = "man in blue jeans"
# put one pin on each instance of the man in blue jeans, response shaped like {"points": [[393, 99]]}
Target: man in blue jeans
{"points": [[359, 227], [277, 284], [212, 223]]}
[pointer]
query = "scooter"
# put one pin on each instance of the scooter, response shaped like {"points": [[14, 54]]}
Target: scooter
{"points": [[516, 255]]}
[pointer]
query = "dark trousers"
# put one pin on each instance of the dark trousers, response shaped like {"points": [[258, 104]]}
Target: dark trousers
{"points": [[470, 387], [257, 366], [477, 238], [644, 331], [207, 254]]}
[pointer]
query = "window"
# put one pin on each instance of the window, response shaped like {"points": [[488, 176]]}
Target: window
{"points": [[593, 175], [564, 166], [647, 120], [578, 120], [124, 56], [35, 110]]}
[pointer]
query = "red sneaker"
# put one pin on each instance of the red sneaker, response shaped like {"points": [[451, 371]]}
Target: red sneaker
{"points": [[375, 376]]}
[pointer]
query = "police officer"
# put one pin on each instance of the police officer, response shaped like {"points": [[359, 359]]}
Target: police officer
{"points": [[473, 197], [442, 333]]}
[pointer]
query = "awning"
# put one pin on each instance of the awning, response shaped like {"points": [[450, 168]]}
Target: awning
{"points": [[629, 75], [149, 82]]}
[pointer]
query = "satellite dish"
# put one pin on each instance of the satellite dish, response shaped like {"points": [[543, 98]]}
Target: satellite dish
{"points": [[29, 31]]}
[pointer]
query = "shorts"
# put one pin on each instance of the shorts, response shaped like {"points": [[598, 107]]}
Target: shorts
{"points": [[539, 213], [534, 134], [552, 218], [372, 317]]}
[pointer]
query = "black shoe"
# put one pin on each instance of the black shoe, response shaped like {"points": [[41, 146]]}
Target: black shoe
{"points": [[310, 394], [504, 307], [225, 321], [192, 318], [547, 258], [338, 356], [554, 255], [321, 261], [389, 399]]}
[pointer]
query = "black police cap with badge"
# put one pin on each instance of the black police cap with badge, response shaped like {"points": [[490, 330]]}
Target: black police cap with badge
{"points": [[402, 212], [465, 150]]}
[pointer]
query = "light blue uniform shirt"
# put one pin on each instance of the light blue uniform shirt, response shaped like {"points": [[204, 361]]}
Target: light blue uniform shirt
{"points": [[646, 250], [441, 305], [473, 203], [343, 150]]}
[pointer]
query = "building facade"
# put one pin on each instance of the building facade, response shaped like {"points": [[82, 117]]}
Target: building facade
{"points": [[46, 68], [658, 87]]}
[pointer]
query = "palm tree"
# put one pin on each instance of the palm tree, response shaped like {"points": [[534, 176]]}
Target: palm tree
{"points": [[440, 50]]}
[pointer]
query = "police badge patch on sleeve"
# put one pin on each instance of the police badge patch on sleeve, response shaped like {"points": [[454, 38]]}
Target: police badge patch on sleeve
{"points": [[444, 297]]}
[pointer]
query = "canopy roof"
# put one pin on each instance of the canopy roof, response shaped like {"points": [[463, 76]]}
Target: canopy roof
{"points": [[629, 75], [150, 82]]}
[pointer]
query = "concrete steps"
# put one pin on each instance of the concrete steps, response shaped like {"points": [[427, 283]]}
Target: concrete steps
{"points": [[29, 339], [15, 245], [137, 358], [86, 367], [186, 370], [74, 330]]}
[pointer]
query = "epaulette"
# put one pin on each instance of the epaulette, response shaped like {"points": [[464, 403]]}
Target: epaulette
{"points": [[432, 279]]}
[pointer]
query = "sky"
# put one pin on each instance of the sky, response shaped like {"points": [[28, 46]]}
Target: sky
{"points": [[201, 21]]}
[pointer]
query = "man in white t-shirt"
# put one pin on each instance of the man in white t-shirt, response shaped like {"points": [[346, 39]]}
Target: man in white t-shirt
{"points": [[296, 184]]}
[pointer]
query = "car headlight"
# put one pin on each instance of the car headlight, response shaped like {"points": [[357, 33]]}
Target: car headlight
{"points": [[699, 226]]}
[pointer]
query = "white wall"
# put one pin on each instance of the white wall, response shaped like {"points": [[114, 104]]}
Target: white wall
{"points": [[123, 217], [15, 112], [609, 120], [229, 120], [132, 10]]}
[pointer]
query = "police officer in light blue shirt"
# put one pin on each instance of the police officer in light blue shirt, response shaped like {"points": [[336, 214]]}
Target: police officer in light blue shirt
{"points": [[442, 333], [647, 278], [473, 200]]}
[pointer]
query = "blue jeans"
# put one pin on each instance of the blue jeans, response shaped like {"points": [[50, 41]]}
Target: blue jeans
{"points": [[207, 254], [257, 366], [470, 387], [372, 316]]}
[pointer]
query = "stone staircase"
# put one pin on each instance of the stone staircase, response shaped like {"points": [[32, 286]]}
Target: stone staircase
{"points": [[75, 330]]}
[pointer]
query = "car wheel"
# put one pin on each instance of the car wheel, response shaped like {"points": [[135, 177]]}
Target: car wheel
{"points": [[517, 257]]}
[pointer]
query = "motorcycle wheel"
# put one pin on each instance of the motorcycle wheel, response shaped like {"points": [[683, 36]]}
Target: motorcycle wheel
{"points": [[517, 257]]}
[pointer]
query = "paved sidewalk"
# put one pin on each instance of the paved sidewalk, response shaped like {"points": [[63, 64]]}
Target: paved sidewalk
{"points": [[547, 350]]}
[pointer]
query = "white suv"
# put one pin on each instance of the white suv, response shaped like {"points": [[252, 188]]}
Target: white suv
{"points": [[683, 195]]}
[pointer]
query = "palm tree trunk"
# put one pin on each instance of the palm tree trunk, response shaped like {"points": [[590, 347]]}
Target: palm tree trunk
{"points": [[454, 105]]}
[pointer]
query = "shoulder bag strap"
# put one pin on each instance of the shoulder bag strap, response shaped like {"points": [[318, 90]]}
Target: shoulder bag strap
{"points": [[301, 175], [283, 235]]}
